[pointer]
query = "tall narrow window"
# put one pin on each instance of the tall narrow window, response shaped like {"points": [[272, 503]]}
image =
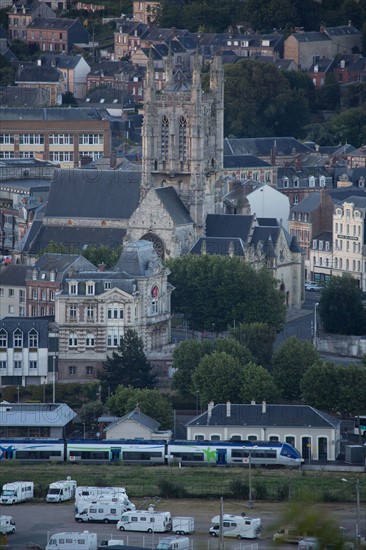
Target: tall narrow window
{"points": [[182, 138], [164, 137]]}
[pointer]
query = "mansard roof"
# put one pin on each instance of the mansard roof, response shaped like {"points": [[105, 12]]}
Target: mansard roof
{"points": [[176, 209], [95, 194], [138, 259], [308, 204], [221, 246], [59, 264]]}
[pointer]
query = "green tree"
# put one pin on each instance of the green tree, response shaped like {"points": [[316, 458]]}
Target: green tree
{"points": [[218, 377], [258, 338], [149, 401], [320, 387], [329, 94], [234, 348], [128, 366], [258, 384], [289, 364], [352, 389], [346, 127], [89, 414], [186, 358], [340, 307], [102, 254], [218, 289]]}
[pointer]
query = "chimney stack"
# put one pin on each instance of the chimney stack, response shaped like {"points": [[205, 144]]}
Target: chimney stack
{"points": [[101, 267], [252, 402], [210, 406], [264, 407], [228, 409]]}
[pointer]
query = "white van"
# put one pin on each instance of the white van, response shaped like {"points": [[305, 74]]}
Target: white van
{"points": [[142, 520], [18, 491], [71, 541], [174, 543], [239, 527], [104, 512], [7, 525], [61, 490]]}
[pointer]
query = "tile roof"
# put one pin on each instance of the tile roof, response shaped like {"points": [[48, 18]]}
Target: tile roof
{"points": [[38, 74], [55, 113], [13, 274], [138, 417], [275, 415], [221, 246], [311, 36], [106, 194], [308, 204], [138, 259], [40, 414], [229, 225], [264, 146], [244, 161], [54, 24], [169, 198]]}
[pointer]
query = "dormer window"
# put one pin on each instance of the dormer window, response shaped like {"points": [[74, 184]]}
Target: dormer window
{"points": [[3, 339], [18, 338], [320, 245], [52, 276], [315, 244], [311, 181], [322, 181], [285, 182], [34, 275], [33, 339], [296, 182], [90, 288], [73, 288]]}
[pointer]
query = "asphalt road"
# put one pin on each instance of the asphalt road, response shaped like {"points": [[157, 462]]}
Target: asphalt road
{"points": [[37, 522]]}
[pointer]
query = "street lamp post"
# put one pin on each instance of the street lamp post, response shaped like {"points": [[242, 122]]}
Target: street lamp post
{"points": [[358, 506], [54, 379], [18, 390], [84, 429], [315, 325]]}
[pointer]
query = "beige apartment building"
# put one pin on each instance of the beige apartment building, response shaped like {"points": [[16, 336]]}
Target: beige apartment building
{"points": [[344, 253], [59, 135]]}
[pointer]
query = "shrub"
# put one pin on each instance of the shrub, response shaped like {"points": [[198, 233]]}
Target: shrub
{"points": [[169, 489]]}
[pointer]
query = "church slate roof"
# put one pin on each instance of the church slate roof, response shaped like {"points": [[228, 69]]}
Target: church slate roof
{"points": [[244, 161], [229, 225], [170, 200], [137, 259], [264, 146], [72, 237], [275, 415], [95, 194], [220, 246]]}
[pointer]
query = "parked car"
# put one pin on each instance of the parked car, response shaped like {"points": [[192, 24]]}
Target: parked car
{"points": [[313, 287]]}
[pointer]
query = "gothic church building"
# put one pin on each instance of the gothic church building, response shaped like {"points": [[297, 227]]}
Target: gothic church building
{"points": [[182, 159]]}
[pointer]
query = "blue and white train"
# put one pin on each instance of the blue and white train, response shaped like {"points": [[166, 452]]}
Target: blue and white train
{"points": [[188, 453]]}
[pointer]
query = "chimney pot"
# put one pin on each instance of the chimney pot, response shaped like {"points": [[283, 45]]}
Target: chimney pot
{"points": [[228, 409], [264, 407], [252, 402]]}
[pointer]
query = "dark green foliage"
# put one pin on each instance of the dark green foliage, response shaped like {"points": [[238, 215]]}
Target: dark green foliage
{"points": [[128, 366], [218, 289], [171, 489], [290, 362], [151, 402], [258, 385], [102, 254], [340, 308], [335, 388], [258, 338], [239, 489], [186, 358]]}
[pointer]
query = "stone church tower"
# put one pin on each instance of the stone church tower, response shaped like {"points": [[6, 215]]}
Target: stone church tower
{"points": [[182, 139]]}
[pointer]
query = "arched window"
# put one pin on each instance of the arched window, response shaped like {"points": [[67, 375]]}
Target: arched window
{"points": [[90, 340], [18, 338], [73, 340], [3, 338], [182, 138], [164, 137], [33, 338]]}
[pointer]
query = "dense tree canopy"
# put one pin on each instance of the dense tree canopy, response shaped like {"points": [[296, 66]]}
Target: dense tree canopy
{"points": [[259, 101], [340, 308], [335, 388], [289, 363], [149, 401], [258, 338], [258, 384], [128, 366], [216, 290]]}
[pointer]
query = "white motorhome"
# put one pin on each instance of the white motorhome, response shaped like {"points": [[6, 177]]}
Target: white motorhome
{"points": [[18, 491], [240, 527], [174, 543], [89, 495], [71, 541], [105, 512], [183, 525], [142, 520], [59, 491], [83, 505], [7, 525]]}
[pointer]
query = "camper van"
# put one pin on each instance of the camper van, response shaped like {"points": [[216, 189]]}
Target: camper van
{"points": [[7, 525], [239, 527], [88, 495], [70, 541], [174, 543], [61, 490], [142, 520], [105, 512], [18, 491]]}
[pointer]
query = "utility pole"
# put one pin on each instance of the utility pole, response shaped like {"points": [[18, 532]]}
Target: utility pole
{"points": [[221, 530]]}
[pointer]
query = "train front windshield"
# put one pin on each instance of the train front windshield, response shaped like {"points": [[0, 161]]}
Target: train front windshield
{"points": [[289, 451]]}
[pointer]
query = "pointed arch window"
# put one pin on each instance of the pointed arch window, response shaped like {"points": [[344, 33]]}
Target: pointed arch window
{"points": [[33, 338], [18, 338], [182, 138], [164, 137], [3, 339]]}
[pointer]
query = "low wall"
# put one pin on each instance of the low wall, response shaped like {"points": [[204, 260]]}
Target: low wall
{"points": [[347, 346]]}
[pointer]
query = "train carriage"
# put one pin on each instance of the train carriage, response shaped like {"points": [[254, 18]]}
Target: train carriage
{"points": [[33, 450], [129, 452]]}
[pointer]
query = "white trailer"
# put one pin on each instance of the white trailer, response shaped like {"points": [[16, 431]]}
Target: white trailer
{"points": [[18, 491], [104, 512], [7, 525], [183, 525], [239, 527], [142, 520], [174, 543], [71, 541], [59, 491]]}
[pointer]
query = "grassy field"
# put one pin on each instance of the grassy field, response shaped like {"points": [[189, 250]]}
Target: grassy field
{"points": [[199, 482]]}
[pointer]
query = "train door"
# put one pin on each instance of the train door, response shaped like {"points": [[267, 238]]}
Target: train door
{"points": [[221, 456], [115, 454]]}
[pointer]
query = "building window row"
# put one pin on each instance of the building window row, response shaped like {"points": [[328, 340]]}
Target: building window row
{"points": [[61, 139], [31, 139], [6, 139], [18, 338], [91, 139], [89, 371], [42, 294], [61, 156]]}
